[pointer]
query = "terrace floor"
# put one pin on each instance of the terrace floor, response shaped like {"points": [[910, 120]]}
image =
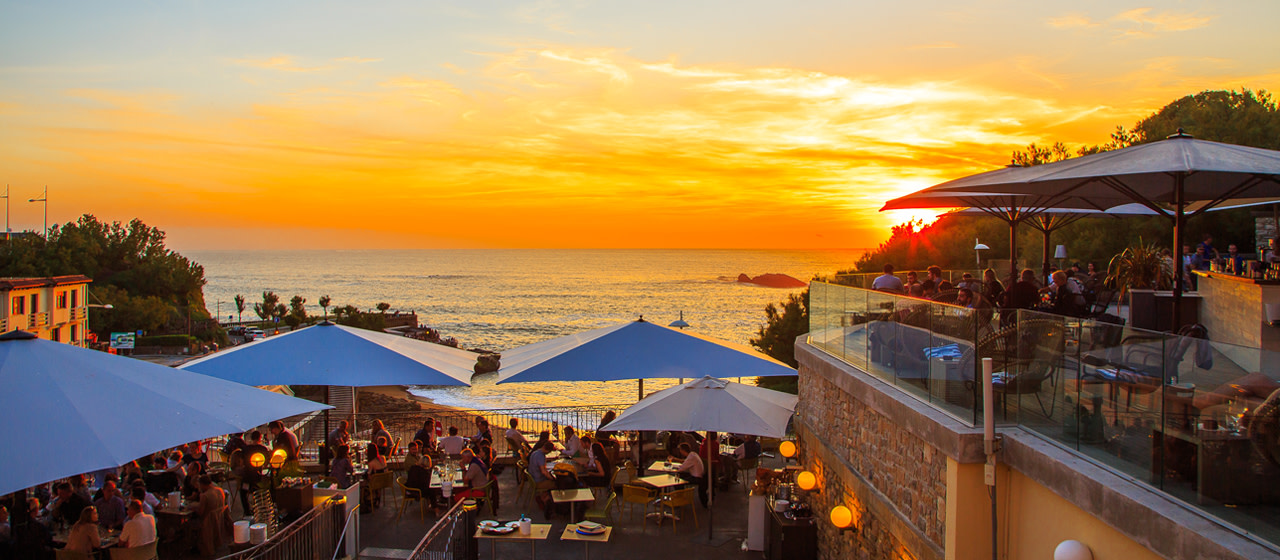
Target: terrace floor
{"points": [[383, 536]]}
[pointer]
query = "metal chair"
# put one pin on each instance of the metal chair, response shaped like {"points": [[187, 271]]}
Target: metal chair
{"points": [[406, 494], [678, 499], [604, 514], [633, 495], [381, 482]]}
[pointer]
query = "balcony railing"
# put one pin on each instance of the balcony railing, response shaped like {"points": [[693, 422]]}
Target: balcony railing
{"points": [[925, 348], [77, 313], [864, 279], [317, 534], [450, 538], [1194, 418], [38, 320]]}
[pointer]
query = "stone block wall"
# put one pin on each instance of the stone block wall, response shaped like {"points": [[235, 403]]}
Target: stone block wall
{"points": [[905, 472]]}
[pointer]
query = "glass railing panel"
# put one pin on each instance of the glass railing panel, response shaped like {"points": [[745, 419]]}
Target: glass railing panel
{"points": [[859, 309]]}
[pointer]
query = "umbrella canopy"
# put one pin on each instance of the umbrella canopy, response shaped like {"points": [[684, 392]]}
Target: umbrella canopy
{"points": [[1176, 172], [67, 410], [711, 405], [634, 350], [329, 354]]}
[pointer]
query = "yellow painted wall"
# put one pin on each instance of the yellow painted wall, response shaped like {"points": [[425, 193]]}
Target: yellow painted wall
{"points": [[1035, 520]]}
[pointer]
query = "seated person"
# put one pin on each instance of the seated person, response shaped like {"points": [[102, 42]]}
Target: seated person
{"points": [[483, 435], [888, 282], [140, 529], [338, 437], [572, 445], [149, 502], [692, 470], [516, 437], [543, 480], [475, 475], [84, 537], [413, 455], [453, 444], [599, 470], [67, 505], [964, 298], [427, 436], [374, 460], [341, 468], [750, 449], [418, 475], [111, 509]]}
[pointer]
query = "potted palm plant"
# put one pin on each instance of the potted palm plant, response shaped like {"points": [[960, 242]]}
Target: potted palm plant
{"points": [[1139, 271]]}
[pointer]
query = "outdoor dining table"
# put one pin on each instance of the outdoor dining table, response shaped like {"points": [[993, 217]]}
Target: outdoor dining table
{"points": [[664, 483], [571, 534], [572, 497], [665, 466], [170, 522], [436, 480], [537, 532], [108, 539]]}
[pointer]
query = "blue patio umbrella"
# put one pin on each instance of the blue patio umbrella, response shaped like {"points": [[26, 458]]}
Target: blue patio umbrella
{"points": [[634, 350], [329, 354], [67, 410]]}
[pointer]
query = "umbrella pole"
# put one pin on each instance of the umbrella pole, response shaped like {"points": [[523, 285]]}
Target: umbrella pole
{"points": [[641, 397], [1046, 264], [1179, 222], [326, 430], [1013, 251], [711, 487]]}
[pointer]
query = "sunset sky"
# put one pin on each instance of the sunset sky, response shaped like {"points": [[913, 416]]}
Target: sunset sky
{"points": [[571, 123]]}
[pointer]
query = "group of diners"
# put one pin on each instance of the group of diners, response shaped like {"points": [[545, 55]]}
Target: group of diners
{"points": [[1069, 291], [428, 448], [118, 507]]}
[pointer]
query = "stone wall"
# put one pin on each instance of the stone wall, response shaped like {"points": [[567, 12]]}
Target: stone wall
{"points": [[848, 444]]}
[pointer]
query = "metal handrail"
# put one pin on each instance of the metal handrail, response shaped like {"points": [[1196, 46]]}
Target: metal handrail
{"points": [[450, 518], [285, 537]]}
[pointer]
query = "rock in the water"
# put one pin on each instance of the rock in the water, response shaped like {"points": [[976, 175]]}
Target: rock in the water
{"points": [[773, 280], [487, 363]]}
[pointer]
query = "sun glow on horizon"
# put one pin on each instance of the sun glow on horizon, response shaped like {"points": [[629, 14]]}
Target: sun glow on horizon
{"points": [[547, 142]]}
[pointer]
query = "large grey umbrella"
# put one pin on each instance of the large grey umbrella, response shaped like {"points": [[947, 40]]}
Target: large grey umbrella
{"points": [[67, 410], [711, 405], [1166, 176]]}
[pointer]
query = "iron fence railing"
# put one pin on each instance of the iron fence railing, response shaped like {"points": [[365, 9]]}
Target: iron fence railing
{"points": [[450, 538], [314, 536], [404, 425]]}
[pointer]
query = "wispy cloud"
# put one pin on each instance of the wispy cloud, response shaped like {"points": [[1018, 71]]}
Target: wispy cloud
{"points": [[1135, 23], [931, 46], [357, 59]]}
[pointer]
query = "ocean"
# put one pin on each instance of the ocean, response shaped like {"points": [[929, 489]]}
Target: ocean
{"points": [[499, 299]]}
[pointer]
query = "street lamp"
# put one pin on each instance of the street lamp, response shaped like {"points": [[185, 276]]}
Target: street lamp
{"points": [[6, 212], [44, 197], [978, 248]]}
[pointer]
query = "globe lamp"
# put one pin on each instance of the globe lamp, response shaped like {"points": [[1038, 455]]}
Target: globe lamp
{"points": [[787, 449], [257, 460], [806, 481], [277, 458], [842, 518]]}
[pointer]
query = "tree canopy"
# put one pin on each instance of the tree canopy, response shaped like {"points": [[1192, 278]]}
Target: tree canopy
{"points": [[148, 286]]}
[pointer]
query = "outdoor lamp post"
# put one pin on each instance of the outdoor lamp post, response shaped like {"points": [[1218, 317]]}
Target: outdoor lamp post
{"points": [[978, 248], [1061, 254], [44, 197]]}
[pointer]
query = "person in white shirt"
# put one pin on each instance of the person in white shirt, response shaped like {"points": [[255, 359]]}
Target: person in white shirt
{"points": [[888, 281], [693, 470], [572, 445], [453, 444], [140, 529], [514, 434]]}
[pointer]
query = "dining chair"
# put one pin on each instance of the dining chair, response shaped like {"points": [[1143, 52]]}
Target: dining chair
{"points": [[605, 513], [381, 482], [144, 552], [747, 467], [679, 499], [407, 494], [633, 495]]}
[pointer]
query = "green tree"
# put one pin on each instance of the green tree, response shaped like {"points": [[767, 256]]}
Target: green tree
{"points": [[148, 286], [297, 312], [1242, 117], [324, 304], [269, 308], [777, 337], [384, 306], [240, 307]]}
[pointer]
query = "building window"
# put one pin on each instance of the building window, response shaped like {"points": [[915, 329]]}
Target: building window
{"points": [[74, 333], [35, 303], [19, 305], [75, 300], [57, 332], [62, 300]]}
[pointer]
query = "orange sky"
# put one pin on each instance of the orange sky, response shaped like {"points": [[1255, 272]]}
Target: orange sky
{"points": [[549, 124]]}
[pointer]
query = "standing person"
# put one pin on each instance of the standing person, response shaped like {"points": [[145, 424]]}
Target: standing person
{"points": [[750, 449], [215, 522], [992, 289], [1235, 261], [284, 438], [140, 529], [888, 282], [483, 434], [1207, 245], [196, 454], [382, 437], [1270, 254], [692, 470]]}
